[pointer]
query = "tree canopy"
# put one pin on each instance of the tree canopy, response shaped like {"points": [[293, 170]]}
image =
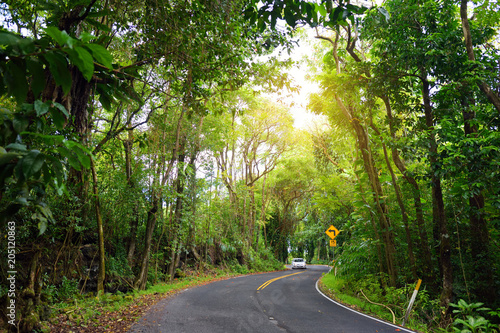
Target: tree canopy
{"points": [[140, 141]]}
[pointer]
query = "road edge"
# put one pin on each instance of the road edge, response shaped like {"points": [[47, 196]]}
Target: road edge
{"points": [[360, 313]]}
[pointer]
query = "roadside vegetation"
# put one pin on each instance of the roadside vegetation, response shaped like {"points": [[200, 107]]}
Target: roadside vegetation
{"points": [[391, 305], [117, 312], [147, 141]]}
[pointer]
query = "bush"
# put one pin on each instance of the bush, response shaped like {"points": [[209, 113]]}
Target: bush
{"points": [[470, 318], [67, 289], [234, 266], [263, 261], [348, 290], [118, 266]]}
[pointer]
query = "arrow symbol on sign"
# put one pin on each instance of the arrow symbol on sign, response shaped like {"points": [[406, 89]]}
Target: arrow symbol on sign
{"points": [[332, 232]]}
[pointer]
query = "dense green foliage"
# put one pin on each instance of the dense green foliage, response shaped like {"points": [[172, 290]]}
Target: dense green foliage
{"points": [[137, 146]]}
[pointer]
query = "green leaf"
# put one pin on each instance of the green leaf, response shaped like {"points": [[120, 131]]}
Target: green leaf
{"points": [[58, 118], [81, 152], [57, 168], [384, 12], [45, 210], [86, 37], [290, 18], [7, 157], [82, 157], [3, 90], [22, 201], [42, 225], [6, 172], [47, 138], [334, 16], [41, 108], [98, 25], [105, 95], [47, 174], [101, 55], [356, 9], [321, 9], [88, 62], [83, 60], [20, 123], [61, 37], [72, 159], [32, 163], [9, 39], [58, 66], [273, 21], [16, 146], [61, 108], [15, 80], [261, 24], [345, 14], [37, 73], [26, 46], [100, 13]]}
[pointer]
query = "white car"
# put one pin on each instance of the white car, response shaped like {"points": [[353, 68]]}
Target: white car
{"points": [[298, 263]]}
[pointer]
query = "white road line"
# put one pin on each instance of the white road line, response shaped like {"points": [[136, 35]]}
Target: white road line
{"points": [[362, 314]]}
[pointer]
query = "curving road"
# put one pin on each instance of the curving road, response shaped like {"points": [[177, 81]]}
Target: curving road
{"points": [[286, 301]]}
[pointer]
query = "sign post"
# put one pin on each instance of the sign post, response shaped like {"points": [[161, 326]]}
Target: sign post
{"points": [[411, 301], [332, 232]]}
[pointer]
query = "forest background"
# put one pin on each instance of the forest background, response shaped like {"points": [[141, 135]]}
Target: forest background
{"points": [[138, 143]]}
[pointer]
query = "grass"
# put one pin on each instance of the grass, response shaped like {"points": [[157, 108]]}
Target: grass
{"points": [[335, 287]]}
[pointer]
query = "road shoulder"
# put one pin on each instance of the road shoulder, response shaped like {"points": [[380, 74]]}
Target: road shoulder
{"points": [[328, 294]]}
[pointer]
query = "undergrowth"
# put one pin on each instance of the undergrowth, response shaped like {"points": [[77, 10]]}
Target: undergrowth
{"points": [[89, 310], [424, 317], [390, 304]]}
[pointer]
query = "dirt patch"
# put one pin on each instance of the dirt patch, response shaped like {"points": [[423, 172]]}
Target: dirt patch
{"points": [[116, 321]]}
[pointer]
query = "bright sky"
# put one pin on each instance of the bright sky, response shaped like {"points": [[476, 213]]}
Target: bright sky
{"points": [[303, 118]]}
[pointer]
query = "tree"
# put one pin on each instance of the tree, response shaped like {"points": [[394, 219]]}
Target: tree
{"points": [[76, 86], [258, 136]]}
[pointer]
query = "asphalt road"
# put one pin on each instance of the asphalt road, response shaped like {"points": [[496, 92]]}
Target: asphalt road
{"points": [[286, 301]]}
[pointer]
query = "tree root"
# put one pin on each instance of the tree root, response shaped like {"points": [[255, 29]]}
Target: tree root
{"points": [[393, 315]]}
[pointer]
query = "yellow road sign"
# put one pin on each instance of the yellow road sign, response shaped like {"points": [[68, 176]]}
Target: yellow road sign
{"points": [[333, 242], [332, 232]]}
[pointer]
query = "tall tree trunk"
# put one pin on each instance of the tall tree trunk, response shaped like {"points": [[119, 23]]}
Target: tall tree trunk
{"points": [[384, 223], [251, 223], [100, 230], [490, 93], [193, 186], [484, 286], [142, 277], [438, 211], [134, 222], [178, 212], [362, 139], [417, 201], [377, 234], [263, 207], [399, 199]]}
